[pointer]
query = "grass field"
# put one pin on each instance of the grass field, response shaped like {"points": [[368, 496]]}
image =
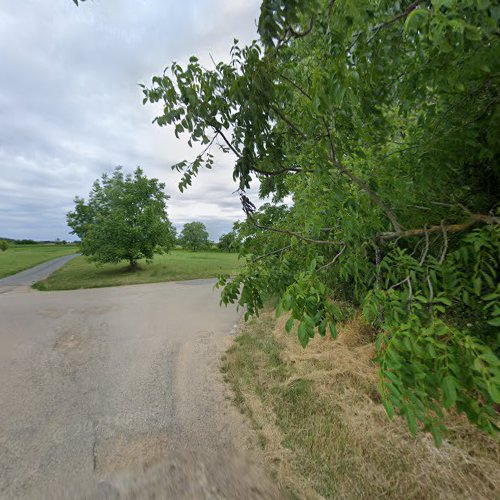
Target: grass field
{"points": [[319, 420], [175, 266], [20, 257]]}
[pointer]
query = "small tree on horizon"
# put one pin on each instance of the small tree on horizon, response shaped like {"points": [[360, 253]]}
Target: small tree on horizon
{"points": [[124, 218], [4, 245], [229, 242], [194, 236]]}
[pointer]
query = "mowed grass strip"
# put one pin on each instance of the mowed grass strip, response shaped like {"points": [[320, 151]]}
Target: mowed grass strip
{"points": [[175, 266], [21, 257]]}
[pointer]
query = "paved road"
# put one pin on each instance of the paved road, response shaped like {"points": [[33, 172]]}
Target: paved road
{"points": [[37, 273], [116, 393]]}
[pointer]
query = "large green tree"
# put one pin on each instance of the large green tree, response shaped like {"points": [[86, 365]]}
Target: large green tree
{"points": [[124, 218], [194, 236], [381, 120]]}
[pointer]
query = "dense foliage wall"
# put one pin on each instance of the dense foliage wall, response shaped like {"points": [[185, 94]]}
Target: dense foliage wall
{"points": [[381, 120]]}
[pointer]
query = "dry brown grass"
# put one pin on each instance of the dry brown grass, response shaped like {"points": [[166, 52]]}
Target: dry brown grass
{"points": [[323, 429]]}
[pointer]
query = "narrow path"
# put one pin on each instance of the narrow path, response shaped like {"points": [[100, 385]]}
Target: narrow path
{"points": [[36, 273], [116, 393]]}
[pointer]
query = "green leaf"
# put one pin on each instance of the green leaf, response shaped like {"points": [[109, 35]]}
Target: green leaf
{"points": [[303, 335], [448, 385], [493, 391], [410, 419], [477, 286], [333, 329], [415, 19], [388, 407], [438, 439], [494, 321], [289, 325]]}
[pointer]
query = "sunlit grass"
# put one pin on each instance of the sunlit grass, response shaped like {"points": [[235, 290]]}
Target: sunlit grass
{"points": [[175, 266], [19, 257]]}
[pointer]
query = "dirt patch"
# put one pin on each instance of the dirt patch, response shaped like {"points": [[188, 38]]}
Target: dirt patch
{"points": [[128, 452], [68, 341]]}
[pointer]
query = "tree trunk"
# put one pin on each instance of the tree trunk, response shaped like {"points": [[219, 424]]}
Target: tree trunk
{"points": [[132, 264]]}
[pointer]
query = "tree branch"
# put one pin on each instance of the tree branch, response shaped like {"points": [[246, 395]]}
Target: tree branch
{"points": [[334, 259], [293, 233], [229, 145], [360, 182], [271, 253], [403, 15], [293, 84], [279, 172], [452, 228], [289, 122]]}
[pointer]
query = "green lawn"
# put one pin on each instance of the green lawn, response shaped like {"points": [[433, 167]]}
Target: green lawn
{"points": [[175, 266], [20, 257]]}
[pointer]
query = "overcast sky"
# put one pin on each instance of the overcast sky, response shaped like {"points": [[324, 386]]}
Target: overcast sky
{"points": [[71, 108]]}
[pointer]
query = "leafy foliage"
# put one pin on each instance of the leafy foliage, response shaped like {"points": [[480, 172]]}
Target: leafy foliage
{"points": [[124, 218], [4, 245], [194, 236], [229, 242], [381, 121]]}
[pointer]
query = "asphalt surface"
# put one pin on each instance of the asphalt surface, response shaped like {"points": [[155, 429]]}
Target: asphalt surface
{"points": [[117, 393], [37, 273]]}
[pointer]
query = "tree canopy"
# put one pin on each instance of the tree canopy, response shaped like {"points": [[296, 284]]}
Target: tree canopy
{"points": [[229, 242], [124, 218], [194, 236], [381, 121]]}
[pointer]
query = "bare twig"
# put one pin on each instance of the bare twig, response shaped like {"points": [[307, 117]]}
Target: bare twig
{"points": [[289, 123], [426, 249], [445, 244], [298, 34], [431, 295], [271, 253], [293, 84], [280, 171], [403, 15], [297, 235], [333, 260], [410, 294], [229, 145]]}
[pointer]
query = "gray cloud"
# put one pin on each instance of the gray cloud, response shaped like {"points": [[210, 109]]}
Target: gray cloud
{"points": [[70, 106]]}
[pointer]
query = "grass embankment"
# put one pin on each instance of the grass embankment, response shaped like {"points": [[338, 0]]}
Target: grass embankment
{"points": [[319, 420], [21, 257], [174, 266]]}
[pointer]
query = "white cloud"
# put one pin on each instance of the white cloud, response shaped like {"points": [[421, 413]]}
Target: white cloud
{"points": [[70, 106]]}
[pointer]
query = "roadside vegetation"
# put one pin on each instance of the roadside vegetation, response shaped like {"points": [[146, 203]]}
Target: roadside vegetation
{"points": [[175, 266], [380, 121], [17, 258], [318, 417]]}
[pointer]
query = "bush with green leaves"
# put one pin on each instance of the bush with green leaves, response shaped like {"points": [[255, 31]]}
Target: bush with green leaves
{"points": [[381, 121], [125, 218], [4, 245]]}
